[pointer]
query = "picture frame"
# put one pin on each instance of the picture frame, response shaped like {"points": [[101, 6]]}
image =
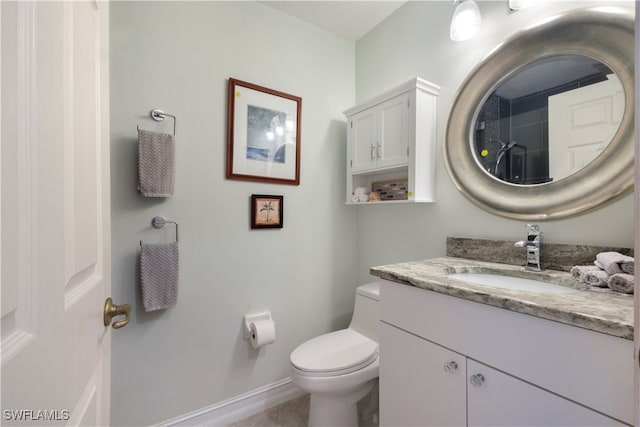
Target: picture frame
{"points": [[263, 134], [266, 211]]}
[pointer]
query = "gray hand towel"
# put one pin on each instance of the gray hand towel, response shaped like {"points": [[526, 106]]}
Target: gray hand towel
{"points": [[597, 278], [579, 271], [612, 262], [156, 163], [159, 267], [628, 267], [621, 282]]}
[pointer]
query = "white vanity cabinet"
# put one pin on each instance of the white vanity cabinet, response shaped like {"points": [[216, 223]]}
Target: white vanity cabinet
{"points": [[393, 137], [446, 361]]}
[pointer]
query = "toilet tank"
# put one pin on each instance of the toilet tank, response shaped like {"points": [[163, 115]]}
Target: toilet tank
{"points": [[366, 312]]}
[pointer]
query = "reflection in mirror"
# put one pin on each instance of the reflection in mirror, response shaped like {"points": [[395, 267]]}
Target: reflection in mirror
{"points": [[548, 120]]}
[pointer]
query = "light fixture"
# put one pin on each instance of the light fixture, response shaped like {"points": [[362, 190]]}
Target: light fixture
{"points": [[466, 20], [520, 4]]}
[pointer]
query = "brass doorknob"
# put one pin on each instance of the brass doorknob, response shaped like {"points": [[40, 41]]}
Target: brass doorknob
{"points": [[111, 310]]}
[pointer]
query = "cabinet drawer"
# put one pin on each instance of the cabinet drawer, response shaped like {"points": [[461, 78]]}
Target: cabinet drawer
{"points": [[591, 368]]}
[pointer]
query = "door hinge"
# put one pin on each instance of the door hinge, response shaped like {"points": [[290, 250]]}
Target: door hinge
{"points": [[350, 163], [352, 125], [407, 151], [409, 102]]}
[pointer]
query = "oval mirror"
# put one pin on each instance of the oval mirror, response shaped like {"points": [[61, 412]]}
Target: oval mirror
{"points": [[543, 127]]}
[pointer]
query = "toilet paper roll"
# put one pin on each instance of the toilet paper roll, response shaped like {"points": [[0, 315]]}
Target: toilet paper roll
{"points": [[263, 332]]}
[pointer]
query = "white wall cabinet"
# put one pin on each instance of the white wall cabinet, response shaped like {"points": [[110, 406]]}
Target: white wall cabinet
{"points": [[380, 136], [445, 361], [393, 137]]}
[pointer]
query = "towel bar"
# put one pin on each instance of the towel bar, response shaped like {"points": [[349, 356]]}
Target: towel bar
{"points": [[159, 222], [159, 116]]}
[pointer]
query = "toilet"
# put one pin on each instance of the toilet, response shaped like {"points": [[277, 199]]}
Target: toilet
{"points": [[340, 368]]}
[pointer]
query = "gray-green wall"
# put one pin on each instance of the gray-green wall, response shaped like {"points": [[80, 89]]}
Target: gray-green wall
{"points": [[177, 56], [414, 41]]}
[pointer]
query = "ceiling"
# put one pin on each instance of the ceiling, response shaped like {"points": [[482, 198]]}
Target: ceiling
{"points": [[349, 19]]}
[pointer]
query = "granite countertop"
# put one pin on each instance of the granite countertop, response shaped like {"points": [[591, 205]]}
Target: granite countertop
{"points": [[597, 309]]}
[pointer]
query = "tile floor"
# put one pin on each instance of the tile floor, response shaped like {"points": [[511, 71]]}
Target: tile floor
{"points": [[295, 413]]}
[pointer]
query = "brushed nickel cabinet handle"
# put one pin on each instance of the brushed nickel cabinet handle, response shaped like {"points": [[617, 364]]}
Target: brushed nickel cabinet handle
{"points": [[450, 367], [476, 380]]}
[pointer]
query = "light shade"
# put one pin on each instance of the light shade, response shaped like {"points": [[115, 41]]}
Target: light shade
{"points": [[466, 21], [520, 4]]}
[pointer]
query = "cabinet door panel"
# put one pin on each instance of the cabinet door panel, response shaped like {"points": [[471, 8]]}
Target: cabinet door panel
{"points": [[415, 390], [393, 138], [363, 135], [502, 400]]}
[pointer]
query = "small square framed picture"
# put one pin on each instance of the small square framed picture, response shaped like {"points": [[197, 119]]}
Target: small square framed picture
{"points": [[266, 211]]}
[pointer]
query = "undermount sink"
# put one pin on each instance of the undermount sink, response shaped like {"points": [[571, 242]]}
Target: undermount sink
{"points": [[510, 282]]}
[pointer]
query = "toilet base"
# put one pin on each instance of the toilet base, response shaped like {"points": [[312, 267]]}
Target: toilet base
{"points": [[337, 410]]}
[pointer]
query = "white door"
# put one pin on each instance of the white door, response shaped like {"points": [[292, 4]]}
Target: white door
{"points": [[581, 124], [55, 213]]}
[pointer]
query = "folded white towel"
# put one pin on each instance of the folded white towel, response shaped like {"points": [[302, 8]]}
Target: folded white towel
{"points": [[579, 271], [612, 262], [621, 282], [359, 191]]}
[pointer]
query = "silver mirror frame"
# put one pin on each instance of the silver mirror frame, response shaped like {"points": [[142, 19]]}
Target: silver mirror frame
{"points": [[603, 33]]}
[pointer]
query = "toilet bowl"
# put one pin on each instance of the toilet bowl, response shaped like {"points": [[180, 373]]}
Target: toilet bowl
{"points": [[340, 368]]}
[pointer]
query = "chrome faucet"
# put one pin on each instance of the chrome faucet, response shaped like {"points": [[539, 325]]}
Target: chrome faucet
{"points": [[533, 244]]}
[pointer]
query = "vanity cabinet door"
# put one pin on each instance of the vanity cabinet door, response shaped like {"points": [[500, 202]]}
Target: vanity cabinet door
{"points": [[497, 399], [421, 383]]}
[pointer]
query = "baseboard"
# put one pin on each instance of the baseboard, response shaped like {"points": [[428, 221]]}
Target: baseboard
{"points": [[239, 407]]}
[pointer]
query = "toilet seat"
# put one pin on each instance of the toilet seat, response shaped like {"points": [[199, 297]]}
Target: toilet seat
{"points": [[333, 354]]}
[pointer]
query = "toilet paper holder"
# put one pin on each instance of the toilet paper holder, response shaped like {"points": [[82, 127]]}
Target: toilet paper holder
{"points": [[253, 317]]}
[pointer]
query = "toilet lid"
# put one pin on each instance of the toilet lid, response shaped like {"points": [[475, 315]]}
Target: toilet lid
{"points": [[335, 353]]}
